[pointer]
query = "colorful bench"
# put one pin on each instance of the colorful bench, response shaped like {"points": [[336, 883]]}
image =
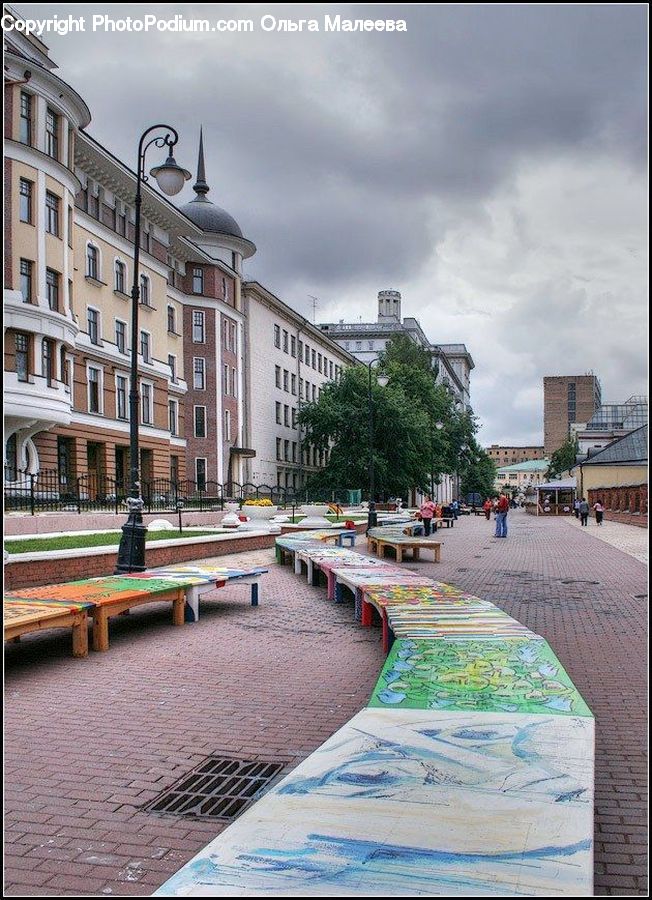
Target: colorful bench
{"points": [[22, 618]]}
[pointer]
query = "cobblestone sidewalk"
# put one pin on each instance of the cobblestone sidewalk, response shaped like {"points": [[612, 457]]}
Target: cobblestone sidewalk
{"points": [[89, 742], [628, 538]]}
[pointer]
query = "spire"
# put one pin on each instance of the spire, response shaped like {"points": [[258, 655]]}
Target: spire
{"points": [[200, 187]]}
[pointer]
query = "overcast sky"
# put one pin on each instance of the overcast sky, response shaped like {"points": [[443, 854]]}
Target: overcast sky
{"points": [[490, 164]]}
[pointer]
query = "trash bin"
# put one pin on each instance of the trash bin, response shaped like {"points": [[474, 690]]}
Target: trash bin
{"points": [[355, 497]]}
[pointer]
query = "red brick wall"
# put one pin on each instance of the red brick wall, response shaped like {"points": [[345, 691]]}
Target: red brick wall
{"points": [[623, 504], [8, 231], [201, 447]]}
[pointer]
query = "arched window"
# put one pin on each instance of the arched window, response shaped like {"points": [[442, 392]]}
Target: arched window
{"points": [[120, 283], [93, 265]]}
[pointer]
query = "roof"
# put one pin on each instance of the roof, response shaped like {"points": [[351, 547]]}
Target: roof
{"points": [[632, 448], [529, 465], [565, 484]]}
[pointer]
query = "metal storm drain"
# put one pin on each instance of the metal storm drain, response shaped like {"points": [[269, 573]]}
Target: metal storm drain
{"points": [[219, 787]]}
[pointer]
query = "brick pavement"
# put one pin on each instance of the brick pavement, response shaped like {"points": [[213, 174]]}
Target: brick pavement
{"points": [[88, 742]]}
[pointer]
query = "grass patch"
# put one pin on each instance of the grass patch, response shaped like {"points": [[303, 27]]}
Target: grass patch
{"points": [[81, 541]]}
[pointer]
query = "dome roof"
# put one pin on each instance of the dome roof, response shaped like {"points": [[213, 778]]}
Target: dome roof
{"points": [[202, 211], [211, 218]]}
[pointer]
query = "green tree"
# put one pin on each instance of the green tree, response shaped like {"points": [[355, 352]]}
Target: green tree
{"points": [[563, 459], [478, 472]]}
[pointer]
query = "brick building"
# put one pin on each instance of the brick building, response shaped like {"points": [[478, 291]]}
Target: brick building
{"points": [[567, 399], [509, 456]]}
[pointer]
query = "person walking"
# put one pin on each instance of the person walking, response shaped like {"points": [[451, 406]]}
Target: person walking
{"points": [[576, 507], [487, 507], [584, 511], [427, 511], [502, 508], [598, 509]]}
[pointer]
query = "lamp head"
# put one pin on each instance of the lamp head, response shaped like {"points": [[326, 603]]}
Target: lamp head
{"points": [[170, 177]]}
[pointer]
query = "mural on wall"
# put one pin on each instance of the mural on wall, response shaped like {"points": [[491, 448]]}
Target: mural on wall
{"points": [[409, 803], [515, 675]]}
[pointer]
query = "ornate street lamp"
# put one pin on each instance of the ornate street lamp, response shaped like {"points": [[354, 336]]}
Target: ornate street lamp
{"points": [[170, 178], [382, 380]]}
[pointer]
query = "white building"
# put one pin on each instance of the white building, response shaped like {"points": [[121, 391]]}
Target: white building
{"points": [[366, 340], [522, 475], [289, 360]]}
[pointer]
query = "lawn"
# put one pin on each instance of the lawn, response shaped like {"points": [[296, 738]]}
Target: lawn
{"points": [[105, 539]]}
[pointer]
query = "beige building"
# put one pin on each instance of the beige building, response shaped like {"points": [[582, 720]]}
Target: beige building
{"points": [[522, 475], [567, 399]]}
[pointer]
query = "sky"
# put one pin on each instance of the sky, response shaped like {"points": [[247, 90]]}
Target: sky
{"points": [[490, 163]]}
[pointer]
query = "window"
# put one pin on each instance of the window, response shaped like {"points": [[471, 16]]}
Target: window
{"points": [[174, 469], [94, 205], [277, 370], [94, 390], [52, 289], [173, 416], [294, 384], [121, 397], [200, 421], [121, 224], [224, 289], [313, 359], [278, 413], [286, 416], [47, 360], [145, 346], [330, 369], [172, 320], [26, 188], [146, 392], [26, 280], [319, 362], [279, 448], [286, 380], [358, 345], [370, 345], [293, 346], [234, 392], [70, 226], [277, 336], [200, 473], [286, 338], [314, 393], [227, 424], [301, 388], [172, 363], [197, 326], [52, 213], [198, 281], [144, 291], [225, 380], [121, 335], [52, 133], [199, 373], [93, 323], [120, 276], [26, 118], [22, 357], [92, 262], [294, 417], [300, 349], [286, 451], [307, 357], [294, 451]]}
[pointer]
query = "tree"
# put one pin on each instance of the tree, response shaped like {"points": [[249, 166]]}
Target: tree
{"points": [[563, 459], [478, 472], [339, 423]]}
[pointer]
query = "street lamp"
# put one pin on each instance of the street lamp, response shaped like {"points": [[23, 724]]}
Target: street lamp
{"points": [[382, 380], [438, 426], [170, 178]]}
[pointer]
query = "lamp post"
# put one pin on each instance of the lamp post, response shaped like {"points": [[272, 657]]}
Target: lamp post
{"points": [[438, 426], [382, 380], [170, 178]]}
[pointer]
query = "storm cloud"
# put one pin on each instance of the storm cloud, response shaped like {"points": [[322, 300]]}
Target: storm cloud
{"points": [[490, 164]]}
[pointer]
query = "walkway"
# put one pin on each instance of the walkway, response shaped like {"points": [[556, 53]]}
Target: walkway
{"points": [[276, 681]]}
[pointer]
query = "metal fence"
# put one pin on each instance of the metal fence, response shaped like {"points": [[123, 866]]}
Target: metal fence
{"points": [[51, 491]]}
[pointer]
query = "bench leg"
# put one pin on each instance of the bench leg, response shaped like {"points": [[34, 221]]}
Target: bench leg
{"points": [[415, 553], [338, 593], [178, 606], [386, 632], [279, 556], [357, 605], [297, 564], [254, 594], [367, 614], [80, 639], [191, 609], [314, 581], [100, 630], [330, 585], [399, 554]]}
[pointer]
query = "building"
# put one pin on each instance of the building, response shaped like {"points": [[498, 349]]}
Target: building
{"points": [[610, 421], [567, 399], [292, 363], [617, 477], [523, 475], [508, 456], [366, 340]]}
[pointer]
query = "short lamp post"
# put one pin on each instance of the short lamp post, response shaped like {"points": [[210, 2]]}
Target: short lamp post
{"points": [[170, 178], [382, 380]]}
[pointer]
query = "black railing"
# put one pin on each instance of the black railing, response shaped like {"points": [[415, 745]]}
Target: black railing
{"points": [[53, 491]]}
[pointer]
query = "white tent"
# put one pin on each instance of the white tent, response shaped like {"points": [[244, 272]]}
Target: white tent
{"points": [[564, 495]]}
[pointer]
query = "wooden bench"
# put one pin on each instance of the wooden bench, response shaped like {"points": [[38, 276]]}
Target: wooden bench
{"points": [[400, 544], [24, 618]]}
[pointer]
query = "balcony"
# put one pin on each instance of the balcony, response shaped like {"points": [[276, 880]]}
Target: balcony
{"points": [[35, 402], [38, 319]]}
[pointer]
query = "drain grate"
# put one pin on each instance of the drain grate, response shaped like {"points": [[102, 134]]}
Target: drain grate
{"points": [[218, 788]]}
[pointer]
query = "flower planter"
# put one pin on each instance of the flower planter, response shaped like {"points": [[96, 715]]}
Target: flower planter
{"points": [[260, 512], [315, 515]]}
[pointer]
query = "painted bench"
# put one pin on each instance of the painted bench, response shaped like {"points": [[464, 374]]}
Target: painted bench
{"points": [[22, 618], [399, 544]]}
